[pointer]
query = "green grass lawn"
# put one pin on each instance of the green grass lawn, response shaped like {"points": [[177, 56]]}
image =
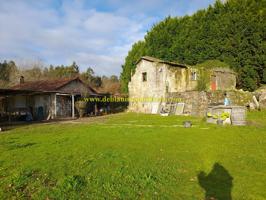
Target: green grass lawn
{"points": [[135, 156]]}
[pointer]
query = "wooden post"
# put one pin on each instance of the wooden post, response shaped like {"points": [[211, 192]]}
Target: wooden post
{"points": [[73, 106], [55, 106], [9, 117], [95, 109]]}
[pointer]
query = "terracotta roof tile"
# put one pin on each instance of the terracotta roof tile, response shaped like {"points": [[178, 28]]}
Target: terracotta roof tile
{"points": [[47, 85]]}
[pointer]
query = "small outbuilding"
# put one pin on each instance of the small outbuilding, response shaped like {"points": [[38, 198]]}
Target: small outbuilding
{"points": [[43, 99]]}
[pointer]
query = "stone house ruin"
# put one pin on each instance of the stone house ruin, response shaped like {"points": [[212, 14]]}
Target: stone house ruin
{"points": [[44, 99], [158, 80]]}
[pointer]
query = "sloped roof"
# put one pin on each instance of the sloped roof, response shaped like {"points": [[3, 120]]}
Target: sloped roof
{"points": [[48, 85], [5, 92], [152, 59]]}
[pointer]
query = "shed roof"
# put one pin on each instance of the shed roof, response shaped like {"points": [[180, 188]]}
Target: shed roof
{"points": [[48, 85], [152, 59], [4, 92]]}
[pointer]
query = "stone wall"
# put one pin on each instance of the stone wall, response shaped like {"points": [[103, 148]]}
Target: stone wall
{"points": [[164, 80], [161, 79], [196, 103], [153, 87], [225, 79], [262, 98]]}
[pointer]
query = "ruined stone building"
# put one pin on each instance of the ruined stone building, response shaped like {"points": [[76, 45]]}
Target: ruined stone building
{"points": [[158, 79]]}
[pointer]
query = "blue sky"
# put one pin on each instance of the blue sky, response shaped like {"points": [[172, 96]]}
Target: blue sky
{"points": [[93, 33]]}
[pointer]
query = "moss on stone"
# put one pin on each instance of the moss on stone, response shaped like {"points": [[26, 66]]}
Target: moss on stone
{"points": [[203, 81], [206, 69], [210, 64]]}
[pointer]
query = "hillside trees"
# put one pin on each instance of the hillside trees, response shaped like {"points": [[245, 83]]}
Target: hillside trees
{"points": [[62, 71], [233, 32], [32, 71], [7, 72], [137, 51]]}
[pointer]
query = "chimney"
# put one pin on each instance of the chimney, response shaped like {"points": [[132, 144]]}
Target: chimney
{"points": [[21, 80]]}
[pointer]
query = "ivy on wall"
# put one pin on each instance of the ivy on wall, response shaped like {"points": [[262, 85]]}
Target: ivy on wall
{"points": [[233, 31], [205, 72]]}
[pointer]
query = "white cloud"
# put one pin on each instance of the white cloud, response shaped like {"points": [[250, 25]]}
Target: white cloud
{"points": [[89, 37], [71, 31], [100, 63]]}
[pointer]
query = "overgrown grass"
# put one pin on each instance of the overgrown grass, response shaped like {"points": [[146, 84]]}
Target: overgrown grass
{"points": [[135, 156]]}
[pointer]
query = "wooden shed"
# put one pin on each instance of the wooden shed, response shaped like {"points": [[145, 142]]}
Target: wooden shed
{"points": [[44, 99]]}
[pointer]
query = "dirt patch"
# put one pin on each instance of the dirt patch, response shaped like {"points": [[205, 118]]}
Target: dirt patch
{"points": [[96, 119]]}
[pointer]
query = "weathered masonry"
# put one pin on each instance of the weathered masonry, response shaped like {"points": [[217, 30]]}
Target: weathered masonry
{"points": [[158, 79]]}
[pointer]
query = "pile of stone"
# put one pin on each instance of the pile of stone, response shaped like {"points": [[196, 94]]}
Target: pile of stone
{"points": [[258, 100], [262, 99]]}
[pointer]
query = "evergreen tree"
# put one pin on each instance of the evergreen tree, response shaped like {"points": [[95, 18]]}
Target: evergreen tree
{"points": [[233, 32], [137, 51]]}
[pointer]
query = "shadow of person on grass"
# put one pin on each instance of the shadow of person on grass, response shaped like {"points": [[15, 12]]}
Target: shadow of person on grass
{"points": [[217, 184]]}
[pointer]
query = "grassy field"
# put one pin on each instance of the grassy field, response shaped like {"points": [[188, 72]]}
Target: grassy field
{"points": [[133, 156]]}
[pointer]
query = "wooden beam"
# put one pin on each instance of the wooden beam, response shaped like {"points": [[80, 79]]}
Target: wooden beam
{"points": [[55, 106], [73, 106]]}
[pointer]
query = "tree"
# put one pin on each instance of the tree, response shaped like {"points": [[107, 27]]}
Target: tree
{"points": [[137, 51], [8, 73], [88, 75], [74, 67], [233, 32], [114, 78], [264, 76], [248, 78], [96, 81]]}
